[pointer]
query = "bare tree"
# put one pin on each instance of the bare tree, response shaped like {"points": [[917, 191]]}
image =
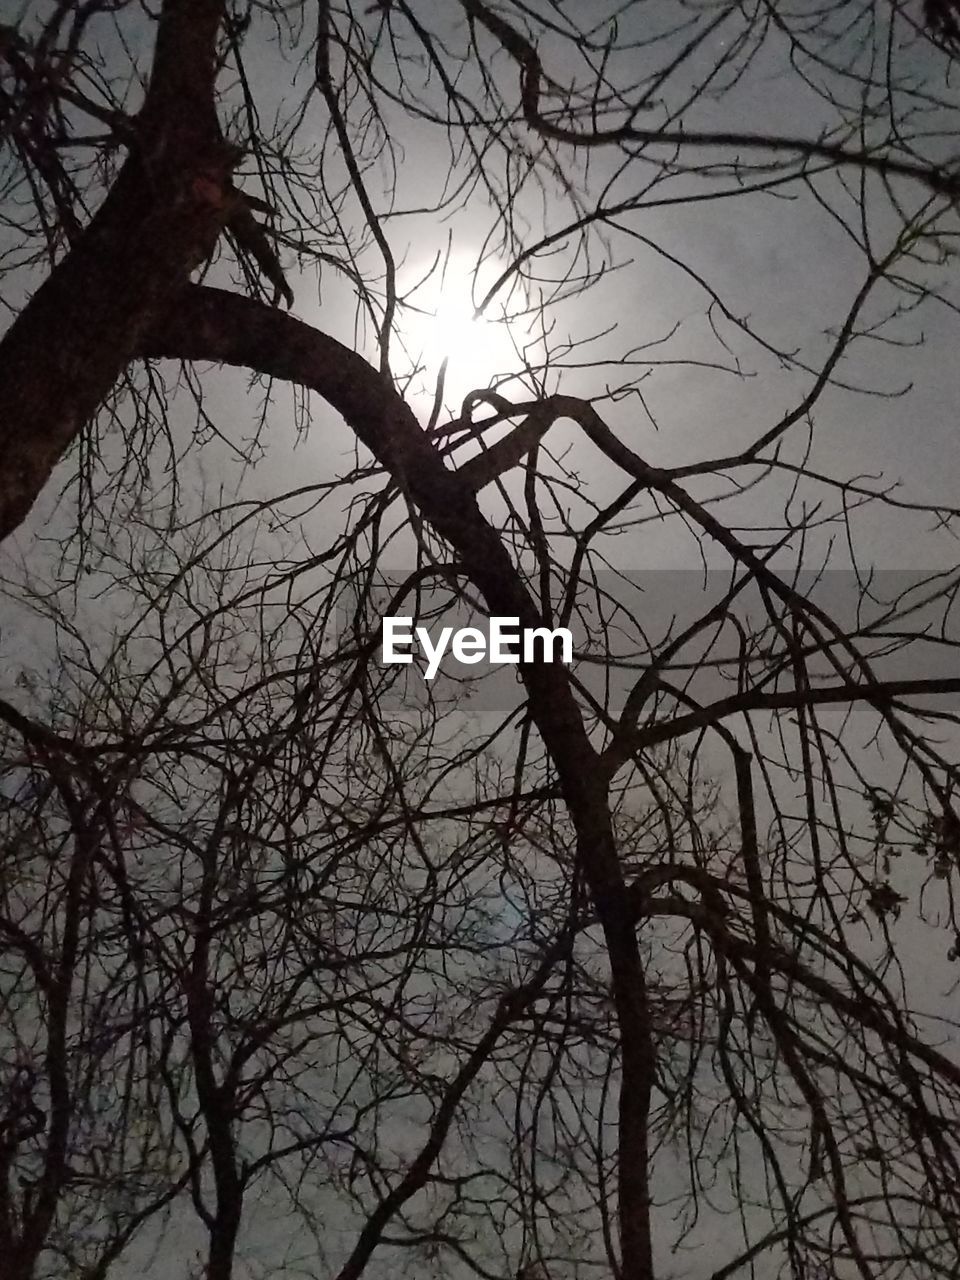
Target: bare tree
{"points": [[541, 994]]}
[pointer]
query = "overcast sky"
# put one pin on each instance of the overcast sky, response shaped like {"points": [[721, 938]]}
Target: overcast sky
{"points": [[780, 259]]}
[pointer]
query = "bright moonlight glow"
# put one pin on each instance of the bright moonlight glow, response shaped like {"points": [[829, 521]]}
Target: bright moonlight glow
{"points": [[439, 324]]}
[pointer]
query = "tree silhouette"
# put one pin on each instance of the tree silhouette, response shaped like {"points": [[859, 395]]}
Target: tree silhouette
{"points": [[313, 966]]}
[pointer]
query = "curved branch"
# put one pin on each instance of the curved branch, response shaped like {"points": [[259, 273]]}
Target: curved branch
{"points": [[214, 325], [524, 54]]}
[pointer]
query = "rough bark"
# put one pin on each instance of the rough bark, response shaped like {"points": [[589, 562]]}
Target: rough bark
{"points": [[70, 344]]}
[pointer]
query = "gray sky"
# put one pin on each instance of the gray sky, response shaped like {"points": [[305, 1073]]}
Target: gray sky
{"points": [[779, 260]]}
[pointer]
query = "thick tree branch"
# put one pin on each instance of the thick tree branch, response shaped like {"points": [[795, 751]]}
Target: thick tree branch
{"points": [[161, 218], [210, 324]]}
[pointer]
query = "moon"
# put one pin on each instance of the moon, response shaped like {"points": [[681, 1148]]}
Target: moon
{"points": [[441, 330]]}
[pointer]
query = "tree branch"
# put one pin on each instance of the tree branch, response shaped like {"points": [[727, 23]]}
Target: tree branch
{"points": [[160, 220], [211, 324]]}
